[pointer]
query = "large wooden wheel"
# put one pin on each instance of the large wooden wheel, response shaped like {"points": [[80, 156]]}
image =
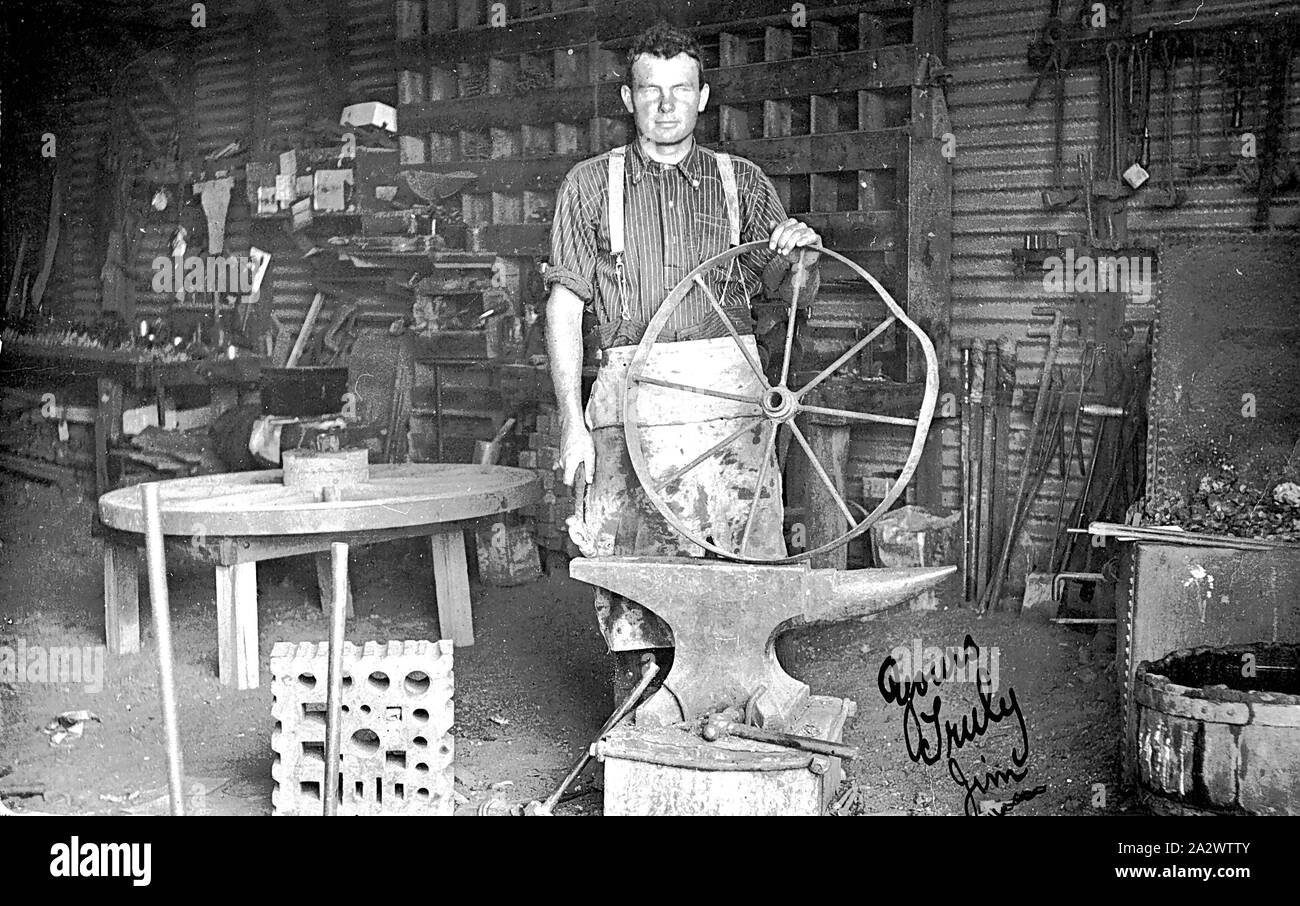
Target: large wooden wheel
{"points": [[778, 404]]}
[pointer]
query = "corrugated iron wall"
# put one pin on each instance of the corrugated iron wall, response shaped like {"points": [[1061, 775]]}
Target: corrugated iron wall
{"points": [[1003, 161]]}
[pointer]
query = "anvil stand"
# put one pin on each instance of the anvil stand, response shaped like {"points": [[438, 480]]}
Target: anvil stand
{"points": [[725, 618]]}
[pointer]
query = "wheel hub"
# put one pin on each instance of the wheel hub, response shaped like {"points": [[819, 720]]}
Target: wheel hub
{"points": [[779, 404]]}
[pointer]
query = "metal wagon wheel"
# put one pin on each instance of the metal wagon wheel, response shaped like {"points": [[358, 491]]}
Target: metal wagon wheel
{"points": [[778, 404]]}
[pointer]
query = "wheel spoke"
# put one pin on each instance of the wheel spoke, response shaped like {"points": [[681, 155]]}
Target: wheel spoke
{"points": [[731, 329], [861, 416], [677, 473], [796, 284], [768, 443], [821, 473], [726, 284], [853, 350], [703, 391]]}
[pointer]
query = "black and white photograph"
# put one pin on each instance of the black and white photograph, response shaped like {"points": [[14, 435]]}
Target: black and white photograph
{"points": [[595, 408]]}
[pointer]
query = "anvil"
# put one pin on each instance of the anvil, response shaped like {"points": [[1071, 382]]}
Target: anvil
{"points": [[725, 618]]}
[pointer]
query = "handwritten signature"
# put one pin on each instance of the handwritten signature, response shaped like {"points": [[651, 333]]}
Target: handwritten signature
{"points": [[928, 740]]}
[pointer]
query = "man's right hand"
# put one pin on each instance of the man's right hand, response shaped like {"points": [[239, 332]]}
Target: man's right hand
{"points": [[577, 449]]}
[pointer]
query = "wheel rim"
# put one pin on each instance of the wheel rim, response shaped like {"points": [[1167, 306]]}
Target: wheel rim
{"points": [[778, 404]]}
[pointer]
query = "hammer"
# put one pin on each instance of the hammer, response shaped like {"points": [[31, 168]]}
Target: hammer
{"points": [[717, 727]]}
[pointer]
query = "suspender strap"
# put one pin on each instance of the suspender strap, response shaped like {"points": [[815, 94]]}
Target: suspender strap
{"points": [[617, 167], [728, 174], [617, 227]]}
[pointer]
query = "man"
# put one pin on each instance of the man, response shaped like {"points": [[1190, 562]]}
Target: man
{"points": [[681, 204]]}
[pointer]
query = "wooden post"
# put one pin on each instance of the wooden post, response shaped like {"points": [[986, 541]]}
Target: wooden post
{"points": [[829, 440], [451, 584], [929, 259], [237, 625], [871, 112], [121, 598], [108, 428]]}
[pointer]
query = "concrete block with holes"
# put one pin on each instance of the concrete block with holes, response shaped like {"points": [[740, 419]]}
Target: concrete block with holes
{"points": [[397, 748]]}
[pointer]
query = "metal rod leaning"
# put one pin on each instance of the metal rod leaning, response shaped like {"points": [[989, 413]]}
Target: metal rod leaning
{"points": [[162, 630], [334, 695], [648, 673]]}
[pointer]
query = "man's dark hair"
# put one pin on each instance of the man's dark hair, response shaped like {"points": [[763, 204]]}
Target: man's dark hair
{"points": [[662, 40]]}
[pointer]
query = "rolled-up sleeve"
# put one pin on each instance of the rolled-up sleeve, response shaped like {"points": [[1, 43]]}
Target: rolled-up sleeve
{"points": [[573, 242]]}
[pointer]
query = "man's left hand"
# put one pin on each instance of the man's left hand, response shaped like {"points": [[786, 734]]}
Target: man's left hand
{"points": [[791, 235]]}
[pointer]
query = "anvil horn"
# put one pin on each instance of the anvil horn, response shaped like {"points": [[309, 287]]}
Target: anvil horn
{"points": [[834, 594]]}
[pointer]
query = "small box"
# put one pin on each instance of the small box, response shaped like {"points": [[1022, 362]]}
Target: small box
{"points": [[329, 189], [302, 213], [284, 190], [258, 176], [289, 163], [370, 113], [267, 202]]}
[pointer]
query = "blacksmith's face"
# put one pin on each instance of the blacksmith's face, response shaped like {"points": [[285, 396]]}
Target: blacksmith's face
{"points": [[666, 97]]}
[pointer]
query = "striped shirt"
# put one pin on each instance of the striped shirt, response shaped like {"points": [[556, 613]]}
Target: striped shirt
{"points": [[675, 218]]}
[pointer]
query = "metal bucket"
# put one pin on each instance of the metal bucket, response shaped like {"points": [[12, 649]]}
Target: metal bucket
{"points": [[1219, 731]]}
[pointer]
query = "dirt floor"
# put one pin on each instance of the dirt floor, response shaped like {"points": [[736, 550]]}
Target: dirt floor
{"points": [[529, 694]]}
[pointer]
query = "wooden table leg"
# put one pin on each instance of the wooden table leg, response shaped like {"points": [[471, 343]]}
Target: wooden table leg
{"points": [[237, 625], [451, 584], [121, 598], [108, 428], [325, 581]]}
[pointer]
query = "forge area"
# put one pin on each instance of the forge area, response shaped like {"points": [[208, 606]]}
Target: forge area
{"points": [[529, 694]]}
